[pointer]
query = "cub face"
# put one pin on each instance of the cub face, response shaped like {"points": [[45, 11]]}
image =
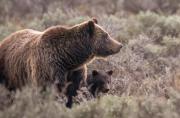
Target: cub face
{"points": [[99, 82]]}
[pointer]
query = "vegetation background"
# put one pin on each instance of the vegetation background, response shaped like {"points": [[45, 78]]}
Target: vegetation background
{"points": [[146, 79]]}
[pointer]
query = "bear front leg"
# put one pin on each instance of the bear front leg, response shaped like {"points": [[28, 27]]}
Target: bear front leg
{"points": [[71, 91], [75, 77], [69, 102]]}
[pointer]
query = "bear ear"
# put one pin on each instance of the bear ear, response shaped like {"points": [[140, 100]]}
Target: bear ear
{"points": [[110, 72], [95, 20], [91, 28], [94, 72]]}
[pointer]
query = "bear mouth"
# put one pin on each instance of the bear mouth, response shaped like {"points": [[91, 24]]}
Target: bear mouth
{"points": [[105, 90], [107, 53]]}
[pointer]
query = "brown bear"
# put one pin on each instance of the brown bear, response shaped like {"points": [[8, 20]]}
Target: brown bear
{"points": [[46, 58], [99, 81], [96, 82]]}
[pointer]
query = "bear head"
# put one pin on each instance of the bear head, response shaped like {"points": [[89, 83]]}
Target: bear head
{"points": [[102, 44], [99, 81]]}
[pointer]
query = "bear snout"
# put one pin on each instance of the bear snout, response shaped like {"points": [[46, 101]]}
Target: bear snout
{"points": [[106, 90], [115, 46], [119, 47]]}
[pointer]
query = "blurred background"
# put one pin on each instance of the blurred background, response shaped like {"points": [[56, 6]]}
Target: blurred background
{"points": [[146, 71]]}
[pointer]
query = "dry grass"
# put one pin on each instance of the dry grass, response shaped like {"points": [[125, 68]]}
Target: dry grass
{"points": [[30, 103]]}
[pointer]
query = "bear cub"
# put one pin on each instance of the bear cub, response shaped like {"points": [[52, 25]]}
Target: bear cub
{"points": [[98, 82]]}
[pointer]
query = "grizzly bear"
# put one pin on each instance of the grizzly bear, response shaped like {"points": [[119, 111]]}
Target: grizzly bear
{"points": [[99, 81], [96, 82], [46, 58]]}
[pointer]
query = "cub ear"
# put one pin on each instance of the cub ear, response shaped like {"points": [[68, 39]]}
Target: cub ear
{"points": [[110, 72], [91, 28], [95, 20], [94, 72]]}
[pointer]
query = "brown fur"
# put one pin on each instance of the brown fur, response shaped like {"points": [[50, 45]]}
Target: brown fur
{"points": [[43, 58]]}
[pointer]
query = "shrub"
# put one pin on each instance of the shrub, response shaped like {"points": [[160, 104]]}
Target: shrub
{"points": [[30, 103], [158, 6]]}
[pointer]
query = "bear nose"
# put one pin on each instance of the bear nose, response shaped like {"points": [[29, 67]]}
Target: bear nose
{"points": [[119, 47], [106, 90]]}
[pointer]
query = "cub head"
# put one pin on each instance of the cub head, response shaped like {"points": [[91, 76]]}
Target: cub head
{"points": [[99, 82]]}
